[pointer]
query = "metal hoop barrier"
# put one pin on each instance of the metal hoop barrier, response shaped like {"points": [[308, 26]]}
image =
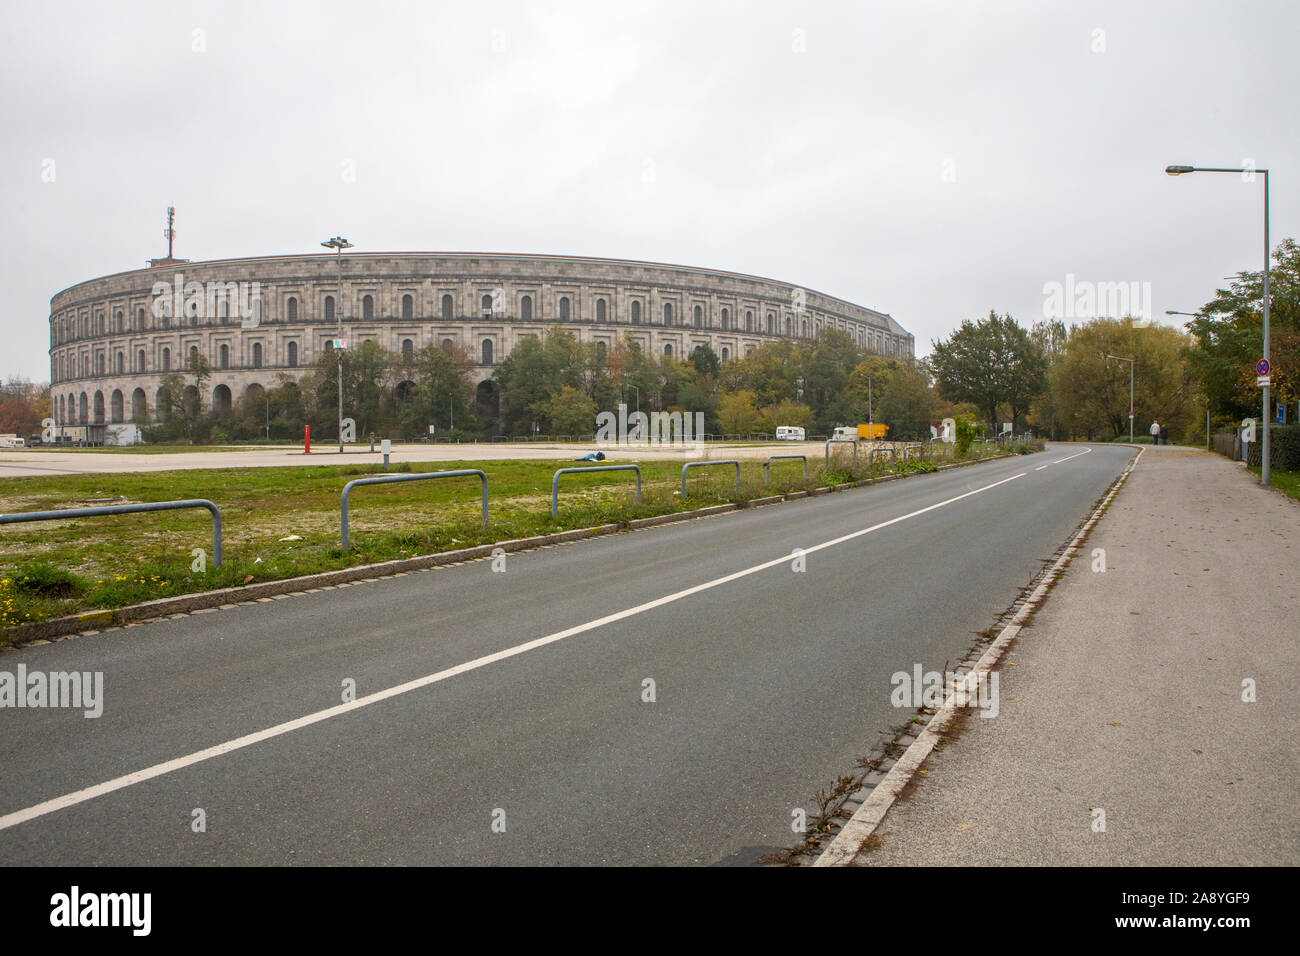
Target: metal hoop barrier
{"points": [[841, 441], [555, 482], [767, 465], [129, 509], [705, 464], [389, 479]]}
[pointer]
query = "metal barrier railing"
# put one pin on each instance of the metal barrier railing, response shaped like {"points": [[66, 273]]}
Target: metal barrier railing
{"points": [[767, 465], [389, 479], [841, 441], [705, 464], [555, 482], [67, 513]]}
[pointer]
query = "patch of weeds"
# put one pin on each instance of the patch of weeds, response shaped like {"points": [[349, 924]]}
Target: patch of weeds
{"points": [[39, 579]]}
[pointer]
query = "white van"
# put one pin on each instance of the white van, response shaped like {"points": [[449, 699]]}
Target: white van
{"points": [[846, 433], [789, 433]]}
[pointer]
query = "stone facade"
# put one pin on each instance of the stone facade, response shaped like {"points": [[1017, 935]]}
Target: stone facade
{"points": [[113, 338]]}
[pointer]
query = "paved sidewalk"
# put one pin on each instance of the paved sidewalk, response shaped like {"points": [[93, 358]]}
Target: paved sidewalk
{"points": [[1125, 694]]}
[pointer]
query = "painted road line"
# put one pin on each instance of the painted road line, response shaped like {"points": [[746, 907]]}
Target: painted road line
{"points": [[229, 746], [1075, 455], [1041, 467], [847, 844]]}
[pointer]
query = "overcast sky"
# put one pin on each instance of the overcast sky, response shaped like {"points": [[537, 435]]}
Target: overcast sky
{"points": [[931, 160]]}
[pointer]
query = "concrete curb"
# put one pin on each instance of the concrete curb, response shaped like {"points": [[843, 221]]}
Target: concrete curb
{"points": [[844, 849], [58, 627]]}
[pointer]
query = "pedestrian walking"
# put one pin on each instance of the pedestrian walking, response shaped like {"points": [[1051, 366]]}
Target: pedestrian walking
{"points": [[1164, 434], [1155, 433]]}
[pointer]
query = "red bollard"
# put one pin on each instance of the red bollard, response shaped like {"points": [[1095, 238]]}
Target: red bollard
{"points": [[306, 439]]}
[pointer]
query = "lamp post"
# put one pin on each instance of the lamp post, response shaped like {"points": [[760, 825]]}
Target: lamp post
{"points": [[338, 243], [1197, 315], [1267, 399], [1130, 393]]}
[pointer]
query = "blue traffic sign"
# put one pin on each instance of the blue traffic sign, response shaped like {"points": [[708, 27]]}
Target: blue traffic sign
{"points": [[1263, 367]]}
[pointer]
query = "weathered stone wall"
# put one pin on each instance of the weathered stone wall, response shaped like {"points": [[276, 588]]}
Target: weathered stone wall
{"points": [[115, 336]]}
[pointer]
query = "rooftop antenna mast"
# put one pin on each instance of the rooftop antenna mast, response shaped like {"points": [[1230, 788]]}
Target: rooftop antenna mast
{"points": [[170, 232]]}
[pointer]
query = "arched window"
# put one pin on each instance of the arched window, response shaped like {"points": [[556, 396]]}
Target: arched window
{"points": [[564, 308], [408, 350], [223, 357], [804, 332], [139, 360], [121, 363], [101, 323], [257, 355], [668, 349], [788, 323], [771, 324], [367, 307], [526, 308], [600, 310], [636, 312], [487, 352], [448, 346], [115, 404], [118, 324], [485, 304], [699, 317], [726, 353], [600, 352], [291, 309], [139, 319], [408, 307], [329, 308], [291, 351], [726, 319], [447, 307], [668, 317], [167, 360], [99, 364], [223, 311]]}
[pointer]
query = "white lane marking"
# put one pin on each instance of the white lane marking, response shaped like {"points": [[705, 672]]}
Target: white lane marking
{"points": [[1041, 467], [1075, 455], [179, 763]]}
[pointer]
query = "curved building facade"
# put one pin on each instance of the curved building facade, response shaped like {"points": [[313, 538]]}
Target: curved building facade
{"points": [[113, 338]]}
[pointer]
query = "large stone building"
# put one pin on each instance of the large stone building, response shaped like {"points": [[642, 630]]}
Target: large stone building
{"points": [[113, 338]]}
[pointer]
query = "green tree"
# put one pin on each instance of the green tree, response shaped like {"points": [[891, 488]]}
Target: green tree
{"points": [[434, 390], [568, 412], [1228, 338], [1092, 392], [737, 414], [992, 363]]}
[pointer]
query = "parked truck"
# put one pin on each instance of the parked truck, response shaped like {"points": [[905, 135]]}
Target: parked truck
{"points": [[860, 432]]}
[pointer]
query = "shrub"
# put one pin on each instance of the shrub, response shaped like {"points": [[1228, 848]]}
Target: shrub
{"points": [[1284, 448], [966, 433]]}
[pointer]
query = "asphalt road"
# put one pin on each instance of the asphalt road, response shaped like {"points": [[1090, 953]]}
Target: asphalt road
{"points": [[767, 682]]}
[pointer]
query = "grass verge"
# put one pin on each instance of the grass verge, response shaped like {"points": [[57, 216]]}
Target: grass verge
{"points": [[284, 522]]}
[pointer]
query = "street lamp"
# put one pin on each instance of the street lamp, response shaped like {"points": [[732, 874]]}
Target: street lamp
{"points": [[1267, 397], [1197, 315], [1130, 393], [338, 243]]}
